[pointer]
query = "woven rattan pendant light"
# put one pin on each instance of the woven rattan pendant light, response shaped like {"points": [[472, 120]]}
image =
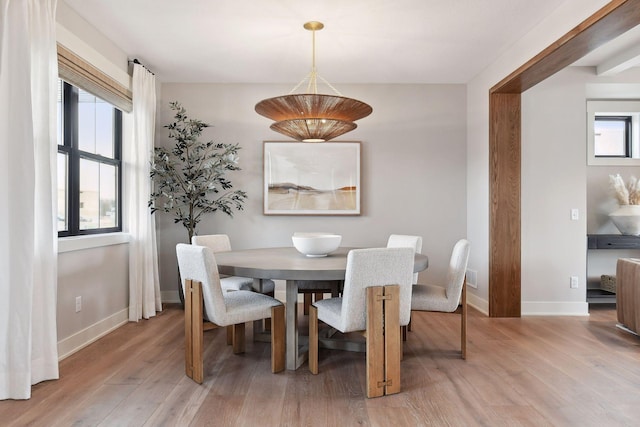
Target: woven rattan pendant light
{"points": [[313, 117]]}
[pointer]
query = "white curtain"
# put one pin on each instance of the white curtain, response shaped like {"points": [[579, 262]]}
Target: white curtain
{"points": [[28, 246], [144, 285]]}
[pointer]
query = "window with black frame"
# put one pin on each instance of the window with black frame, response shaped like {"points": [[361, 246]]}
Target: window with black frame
{"points": [[612, 136], [89, 163]]}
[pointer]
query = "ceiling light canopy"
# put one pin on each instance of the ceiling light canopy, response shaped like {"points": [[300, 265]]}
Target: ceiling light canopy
{"points": [[313, 117]]}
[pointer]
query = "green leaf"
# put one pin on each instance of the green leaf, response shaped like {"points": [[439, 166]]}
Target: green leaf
{"points": [[188, 177]]}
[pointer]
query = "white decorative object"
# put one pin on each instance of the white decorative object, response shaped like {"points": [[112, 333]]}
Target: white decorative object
{"points": [[316, 244], [627, 219]]}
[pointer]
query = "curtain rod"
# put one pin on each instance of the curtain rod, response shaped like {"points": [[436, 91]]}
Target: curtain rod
{"points": [[135, 61]]}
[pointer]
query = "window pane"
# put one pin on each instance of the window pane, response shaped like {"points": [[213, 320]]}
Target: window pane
{"points": [[92, 149], [89, 194], [104, 128], [610, 138], [108, 201], [95, 125], [98, 202], [63, 194]]}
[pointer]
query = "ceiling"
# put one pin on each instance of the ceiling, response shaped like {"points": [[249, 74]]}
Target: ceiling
{"points": [[364, 41], [625, 50]]}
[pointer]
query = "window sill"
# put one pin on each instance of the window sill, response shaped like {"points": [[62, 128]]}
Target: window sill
{"points": [[78, 243]]}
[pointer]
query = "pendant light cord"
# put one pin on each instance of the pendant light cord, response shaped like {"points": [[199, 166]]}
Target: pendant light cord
{"points": [[312, 77]]}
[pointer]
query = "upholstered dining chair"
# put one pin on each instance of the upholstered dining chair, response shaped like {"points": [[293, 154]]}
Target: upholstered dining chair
{"points": [[365, 268], [221, 243], [204, 299], [447, 298], [405, 241], [314, 290]]}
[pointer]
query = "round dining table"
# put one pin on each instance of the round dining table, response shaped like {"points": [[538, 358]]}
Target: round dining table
{"points": [[286, 263]]}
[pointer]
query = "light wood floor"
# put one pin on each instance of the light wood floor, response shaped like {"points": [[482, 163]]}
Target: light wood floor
{"points": [[533, 371]]}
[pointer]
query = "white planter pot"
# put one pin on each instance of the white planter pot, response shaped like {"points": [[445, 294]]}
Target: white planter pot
{"points": [[627, 219]]}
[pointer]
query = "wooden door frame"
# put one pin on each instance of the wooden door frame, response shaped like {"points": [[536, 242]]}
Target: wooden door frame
{"points": [[505, 125]]}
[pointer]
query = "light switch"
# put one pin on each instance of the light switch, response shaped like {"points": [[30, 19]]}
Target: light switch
{"points": [[575, 214], [573, 283]]}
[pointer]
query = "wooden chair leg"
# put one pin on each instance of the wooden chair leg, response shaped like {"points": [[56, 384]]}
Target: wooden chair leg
{"points": [[238, 338], [375, 342], [229, 334], [188, 330], [404, 332], [307, 303], [267, 322], [313, 340], [463, 327], [194, 331], [277, 339], [409, 326], [335, 289], [392, 339]]}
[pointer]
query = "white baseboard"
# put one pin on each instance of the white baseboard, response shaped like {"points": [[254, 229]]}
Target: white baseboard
{"points": [[552, 308], [83, 338], [543, 308], [478, 303]]}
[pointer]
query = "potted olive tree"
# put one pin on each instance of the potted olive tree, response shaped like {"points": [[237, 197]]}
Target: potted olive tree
{"points": [[190, 178]]}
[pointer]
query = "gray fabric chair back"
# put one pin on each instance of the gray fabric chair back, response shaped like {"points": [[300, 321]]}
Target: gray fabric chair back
{"points": [[457, 270], [405, 241], [198, 263], [375, 267], [215, 242]]}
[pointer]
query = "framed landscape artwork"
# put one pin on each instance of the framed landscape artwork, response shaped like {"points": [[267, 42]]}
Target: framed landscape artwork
{"points": [[311, 178]]}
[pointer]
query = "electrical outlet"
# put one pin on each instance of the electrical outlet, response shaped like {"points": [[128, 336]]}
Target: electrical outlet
{"points": [[574, 282], [78, 304]]}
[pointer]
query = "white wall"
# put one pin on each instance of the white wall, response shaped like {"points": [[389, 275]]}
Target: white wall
{"points": [[100, 276], [91, 270], [555, 179], [84, 40], [554, 166], [600, 200], [413, 169], [424, 165], [566, 17]]}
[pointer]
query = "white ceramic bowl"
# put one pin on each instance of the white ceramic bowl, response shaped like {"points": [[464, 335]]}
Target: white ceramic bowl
{"points": [[316, 244]]}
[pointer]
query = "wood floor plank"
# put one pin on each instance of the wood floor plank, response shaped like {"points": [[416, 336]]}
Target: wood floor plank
{"points": [[529, 371], [98, 405], [181, 405], [84, 372], [266, 392]]}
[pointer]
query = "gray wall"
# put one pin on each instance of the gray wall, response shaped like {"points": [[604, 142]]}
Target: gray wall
{"points": [[600, 201], [555, 179], [413, 169], [569, 14], [554, 182], [100, 276], [93, 270], [424, 171]]}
